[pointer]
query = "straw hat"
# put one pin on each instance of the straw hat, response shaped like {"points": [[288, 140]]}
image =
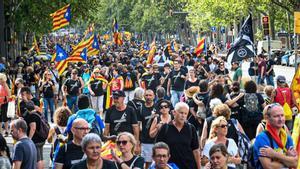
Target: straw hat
{"points": [[191, 91]]}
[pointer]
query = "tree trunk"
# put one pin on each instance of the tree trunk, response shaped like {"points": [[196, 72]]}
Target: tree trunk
{"points": [[2, 32]]}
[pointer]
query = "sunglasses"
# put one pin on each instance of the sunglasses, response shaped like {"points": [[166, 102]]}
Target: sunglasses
{"points": [[223, 126], [164, 106], [115, 97], [124, 142]]}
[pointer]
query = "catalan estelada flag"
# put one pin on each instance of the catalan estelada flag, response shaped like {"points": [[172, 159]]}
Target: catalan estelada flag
{"points": [[200, 47], [151, 53], [83, 44], [94, 49], [118, 38], [61, 17], [60, 57]]}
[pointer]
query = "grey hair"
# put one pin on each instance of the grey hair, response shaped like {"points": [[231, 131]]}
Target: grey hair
{"points": [[89, 138], [139, 93], [160, 145], [181, 105], [20, 124]]}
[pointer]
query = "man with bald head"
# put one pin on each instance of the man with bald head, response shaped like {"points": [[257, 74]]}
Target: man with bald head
{"points": [[273, 148], [71, 152]]}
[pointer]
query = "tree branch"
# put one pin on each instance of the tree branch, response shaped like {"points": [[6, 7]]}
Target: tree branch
{"points": [[282, 6]]}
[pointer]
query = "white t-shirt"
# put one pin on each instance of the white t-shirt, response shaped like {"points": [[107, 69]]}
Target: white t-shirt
{"points": [[232, 149]]}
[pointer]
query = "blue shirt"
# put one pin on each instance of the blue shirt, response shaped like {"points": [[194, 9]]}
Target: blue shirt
{"points": [[263, 140]]}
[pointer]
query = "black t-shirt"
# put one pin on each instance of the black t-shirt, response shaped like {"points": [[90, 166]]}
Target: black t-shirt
{"points": [[120, 121], [181, 143], [177, 82], [69, 155], [106, 164], [270, 63], [151, 80], [222, 72], [145, 117], [189, 84], [165, 82], [135, 104], [47, 90], [96, 86], [138, 162], [73, 86], [33, 118], [201, 73], [29, 79], [23, 105]]}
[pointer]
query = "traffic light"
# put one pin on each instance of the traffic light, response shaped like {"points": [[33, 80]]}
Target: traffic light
{"points": [[265, 21]]}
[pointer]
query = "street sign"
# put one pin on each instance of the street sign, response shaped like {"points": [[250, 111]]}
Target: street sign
{"points": [[213, 29], [265, 21], [297, 22], [222, 29]]}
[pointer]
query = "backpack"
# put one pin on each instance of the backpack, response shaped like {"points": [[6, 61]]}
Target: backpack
{"points": [[243, 143], [57, 141], [44, 128], [251, 102], [251, 163]]}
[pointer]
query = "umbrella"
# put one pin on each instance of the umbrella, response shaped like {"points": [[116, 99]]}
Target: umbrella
{"points": [[43, 57]]}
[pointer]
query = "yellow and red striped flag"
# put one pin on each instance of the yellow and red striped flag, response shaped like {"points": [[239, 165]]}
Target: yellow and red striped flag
{"points": [[151, 53], [200, 47], [61, 17], [75, 56], [295, 86]]}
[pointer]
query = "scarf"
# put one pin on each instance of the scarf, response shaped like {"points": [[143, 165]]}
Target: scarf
{"points": [[280, 139]]}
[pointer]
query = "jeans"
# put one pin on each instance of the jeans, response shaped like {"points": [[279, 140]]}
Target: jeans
{"points": [[48, 104], [270, 80], [72, 101], [175, 96], [261, 80]]}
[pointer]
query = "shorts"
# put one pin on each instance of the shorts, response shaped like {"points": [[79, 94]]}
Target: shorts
{"points": [[146, 152], [39, 151], [3, 113]]}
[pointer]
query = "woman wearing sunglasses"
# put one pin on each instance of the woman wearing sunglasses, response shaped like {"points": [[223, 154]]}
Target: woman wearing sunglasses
{"points": [[163, 116], [126, 144], [218, 132]]}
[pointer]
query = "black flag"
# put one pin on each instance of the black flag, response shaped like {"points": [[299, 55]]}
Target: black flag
{"points": [[243, 45]]}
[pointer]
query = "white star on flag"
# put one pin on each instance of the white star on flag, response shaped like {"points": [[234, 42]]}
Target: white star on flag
{"points": [[60, 55]]}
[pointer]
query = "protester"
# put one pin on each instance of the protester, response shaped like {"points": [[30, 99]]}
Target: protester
{"points": [[4, 98], [261, 70], [273, 148], [283, 94], [91, 146], [145, 118], [138, 99], [47, 89], [184, 144], [218, 156], [120, 117], [270, 71], [71, 152], [218, 132], [126, 144], [160, 156], [25, 153], [71, 89], [5, 160]]}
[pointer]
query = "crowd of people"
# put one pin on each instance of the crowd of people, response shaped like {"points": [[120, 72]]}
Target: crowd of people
{"points": [[180, 111]]}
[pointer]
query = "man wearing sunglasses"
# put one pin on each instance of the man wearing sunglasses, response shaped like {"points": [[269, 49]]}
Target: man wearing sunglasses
{"points": [[274, 148], [71, 152], [120, 117]]}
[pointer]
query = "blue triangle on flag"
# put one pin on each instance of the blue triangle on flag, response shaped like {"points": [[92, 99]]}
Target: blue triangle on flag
{"points": [[95, 44], [83, 54], [68, 14], [61, 54]]}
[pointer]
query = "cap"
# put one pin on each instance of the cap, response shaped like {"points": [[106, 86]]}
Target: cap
{"points": [[119, 93], [281, 79]]}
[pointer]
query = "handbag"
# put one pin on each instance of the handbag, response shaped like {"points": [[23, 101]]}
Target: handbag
{"points": [[11, 109]]}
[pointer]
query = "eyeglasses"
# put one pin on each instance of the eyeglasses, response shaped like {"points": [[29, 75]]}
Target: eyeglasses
{"points": [[223, 125], [123, 142], [82, 128], [115, 97], [74, 73]]}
